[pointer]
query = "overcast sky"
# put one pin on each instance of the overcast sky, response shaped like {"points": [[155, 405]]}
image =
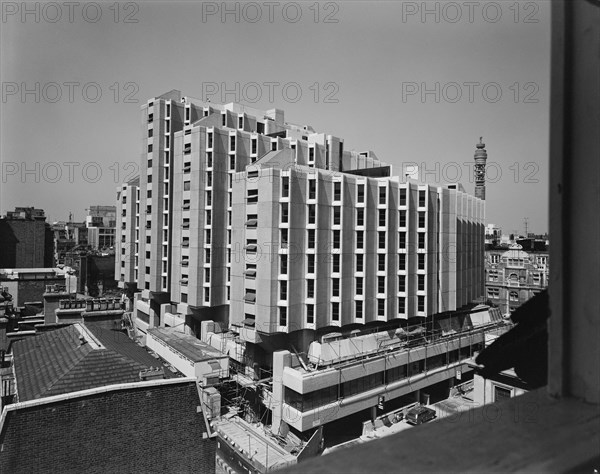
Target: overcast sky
{"points": [[360, 67]]}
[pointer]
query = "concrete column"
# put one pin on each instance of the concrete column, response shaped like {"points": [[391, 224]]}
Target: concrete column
{"points": [[281, 359]]}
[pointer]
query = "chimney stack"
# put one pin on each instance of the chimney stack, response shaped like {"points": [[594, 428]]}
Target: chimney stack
{"points": [[480, 160]]}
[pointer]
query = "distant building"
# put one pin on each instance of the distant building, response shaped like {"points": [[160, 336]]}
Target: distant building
{"points": [[67, 236], [26, 239], [101, 225], [29, 284], [513, 276]]}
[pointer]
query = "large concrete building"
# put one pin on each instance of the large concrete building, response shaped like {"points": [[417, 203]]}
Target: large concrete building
{"points": [[269, 240], [101, 222]]}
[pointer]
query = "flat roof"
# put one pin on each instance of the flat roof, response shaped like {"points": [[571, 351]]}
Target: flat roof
{"points": [[189, 346]]}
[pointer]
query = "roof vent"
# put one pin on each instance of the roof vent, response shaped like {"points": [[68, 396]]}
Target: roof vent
{"points": [[82, 341]]}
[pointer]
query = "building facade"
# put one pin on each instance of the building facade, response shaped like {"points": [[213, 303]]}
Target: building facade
{"points": [[513, 276], [26, 239], [101, 223]]}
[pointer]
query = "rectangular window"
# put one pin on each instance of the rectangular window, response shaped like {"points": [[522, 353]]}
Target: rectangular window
{"points": [[285, 186], [380, 307], [501, 393], [360, 193], [337, 191], [311, 155], [312, 214], [283, 316], [208, 220], [209, 159], [381, 222], [284, 213], [381, 239], [401, 261], [402, 196], [150, 132], [283, 264], [283, 290], [359, 262], [381, 262], [284, 238], [310, 314], [380, 284], [310, 238], [232, 162], [360, 216], [335, 311], [422, 198], [360, 239], [310, 288], [401, 218], [208, 179], [207, 256], [310, 263], [312, 189], [207, 275], [209, 143], [421, 258], [382, 195], [420, 303], [336, 263], [358, 309], [335, 287], [336, 239], [359, 285], [274, 146], [337, 215], [209, 198], [254, 145], [241, 123], [421, 240], [421, 219], [421, 283], [402, 240], [224, 120], [402, 304], [401, 283]]}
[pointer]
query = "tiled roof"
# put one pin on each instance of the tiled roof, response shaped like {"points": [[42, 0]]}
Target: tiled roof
{"points": [[56, 362]]}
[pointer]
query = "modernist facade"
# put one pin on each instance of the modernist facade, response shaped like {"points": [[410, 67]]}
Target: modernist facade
{"points": [[101, 223], [513, 276]]}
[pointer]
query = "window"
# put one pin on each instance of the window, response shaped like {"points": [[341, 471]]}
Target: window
{"points": [[150, 118], [422, 198], [283, 264], [514, 296], [241, 123], [254, 145], [421, 283], [421, 219], [208, 179], [360, 193], [335, 287], [381, 218], [493, 292], [312, 189], [224, 120], [312, 216], [360, 239], [403, 197], [402, 304], [283, 316], [187, 148], [150, 132], [358, 309], [336, 239], [284, 238], [311, 155], [285, 186], [284, 213], [380, 307], [337, 191], [493, 275], [250, 296], [209, 138], [501, 393], [401, 283], [335, 311], [360, 216], [310, 314], [381, 236], [420, 303], [310, 238], [206, 255], [359, 285], [209, 198], [149, 178], [381, 262], [380, 284], [421, 258], [421, 240], [207, 275], [208, 220], [310, 263], [310, 288], [260, 127], [359, 262], [402, 240], [274, 146], [283, 290], [232, 161], [382, 195], [207, 236], [401, 261], [337, 215], [336, 263], [209, 159]]}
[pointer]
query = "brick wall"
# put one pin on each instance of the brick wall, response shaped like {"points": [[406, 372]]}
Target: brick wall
{"points": [[155, 429]]}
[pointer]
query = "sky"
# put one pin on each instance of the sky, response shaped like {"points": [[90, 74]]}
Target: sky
{"points": [[416, 82]]}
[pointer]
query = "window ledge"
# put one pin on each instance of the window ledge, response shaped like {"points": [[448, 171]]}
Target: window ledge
{"points": [[532, 432]]}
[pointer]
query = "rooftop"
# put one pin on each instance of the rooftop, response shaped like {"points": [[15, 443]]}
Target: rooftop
{"points": [[76, 357], [190, 347]]}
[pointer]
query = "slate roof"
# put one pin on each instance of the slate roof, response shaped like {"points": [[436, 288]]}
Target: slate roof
{"points": [[56, 362]]}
